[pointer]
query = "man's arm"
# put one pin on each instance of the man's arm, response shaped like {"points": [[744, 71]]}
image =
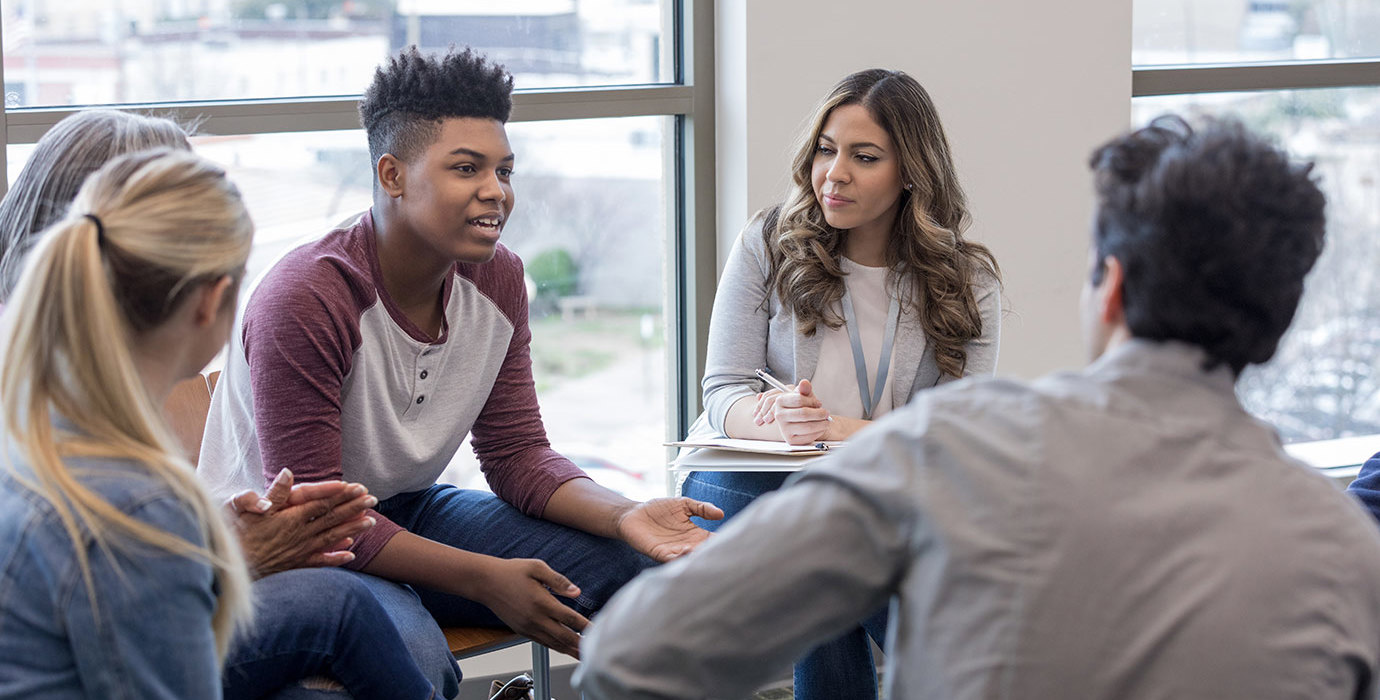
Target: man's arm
{"points": [[508, 435], [796, 568]]}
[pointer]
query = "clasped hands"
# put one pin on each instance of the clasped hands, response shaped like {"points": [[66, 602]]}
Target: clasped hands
{"points": [[798, 414], [299, 526]]}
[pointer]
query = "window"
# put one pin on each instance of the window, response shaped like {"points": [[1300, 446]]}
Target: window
{"points": [[590, 225], [85, 52], [1170, 32], [611, 127], [1303, 71]]}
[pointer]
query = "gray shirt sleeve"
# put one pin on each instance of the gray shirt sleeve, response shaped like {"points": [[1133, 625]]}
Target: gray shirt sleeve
{"points": [[796, 568], [738, 328], [982, 350]]}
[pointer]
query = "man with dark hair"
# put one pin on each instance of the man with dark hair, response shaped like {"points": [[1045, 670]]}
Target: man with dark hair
{"points": [[1123, 532], [371, 353]]}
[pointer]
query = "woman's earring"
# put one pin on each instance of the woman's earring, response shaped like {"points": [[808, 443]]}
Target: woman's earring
{"points": [[910, 186]]}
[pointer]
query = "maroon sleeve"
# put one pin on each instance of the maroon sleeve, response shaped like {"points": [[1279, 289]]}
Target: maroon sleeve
{"points": [[301, 329], [508, 437]]}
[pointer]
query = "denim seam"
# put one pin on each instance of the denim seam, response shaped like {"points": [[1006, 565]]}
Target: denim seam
{"points": [[589, 604]]}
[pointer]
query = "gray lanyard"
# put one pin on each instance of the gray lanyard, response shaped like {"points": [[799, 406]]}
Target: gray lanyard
{"points": [[874, 397]]}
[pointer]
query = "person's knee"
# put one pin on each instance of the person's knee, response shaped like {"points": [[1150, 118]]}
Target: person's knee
{"points": [[419, 631], [311, 593]]}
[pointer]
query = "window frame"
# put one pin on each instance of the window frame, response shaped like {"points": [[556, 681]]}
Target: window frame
{"points": [[1150, 81], [689, 161]]}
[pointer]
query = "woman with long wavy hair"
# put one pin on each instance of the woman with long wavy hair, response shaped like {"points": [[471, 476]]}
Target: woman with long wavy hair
{"points": [[858, 292]]}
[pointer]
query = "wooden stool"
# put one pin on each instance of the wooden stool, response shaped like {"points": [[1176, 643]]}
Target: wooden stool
{"points": [[466, 642]]}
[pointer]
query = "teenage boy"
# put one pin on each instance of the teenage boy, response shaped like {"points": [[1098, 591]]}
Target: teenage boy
{"points": [[1123, 532], [370, 354]]}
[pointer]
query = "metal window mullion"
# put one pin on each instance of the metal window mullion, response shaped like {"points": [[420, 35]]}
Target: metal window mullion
{"points": [[593, 104], [234, 118], [4, 123], [1300, 75], [698, 271]]}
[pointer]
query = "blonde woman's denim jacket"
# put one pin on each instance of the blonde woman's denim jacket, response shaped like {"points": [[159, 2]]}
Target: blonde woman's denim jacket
{"points": [[146, 636]]}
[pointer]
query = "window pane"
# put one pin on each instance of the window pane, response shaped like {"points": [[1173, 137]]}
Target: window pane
{"points": [[86, 52], [590, 225], [1323, 383], [1241, 31]]}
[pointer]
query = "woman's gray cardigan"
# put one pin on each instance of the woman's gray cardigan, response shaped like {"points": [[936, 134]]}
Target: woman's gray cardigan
{"points": [[745, 334]]}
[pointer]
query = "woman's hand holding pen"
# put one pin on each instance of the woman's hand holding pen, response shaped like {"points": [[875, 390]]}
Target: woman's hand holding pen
{"points": [[798, 414]]}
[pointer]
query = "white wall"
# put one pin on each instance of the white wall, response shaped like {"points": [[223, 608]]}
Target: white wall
{"points": [[1025, 89]]}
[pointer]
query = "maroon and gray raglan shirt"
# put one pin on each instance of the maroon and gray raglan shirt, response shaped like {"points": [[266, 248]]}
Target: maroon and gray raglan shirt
{"points": [[327, 377]]}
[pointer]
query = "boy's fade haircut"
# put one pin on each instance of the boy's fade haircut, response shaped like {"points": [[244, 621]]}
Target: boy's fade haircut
{"points": [[412, 92]]}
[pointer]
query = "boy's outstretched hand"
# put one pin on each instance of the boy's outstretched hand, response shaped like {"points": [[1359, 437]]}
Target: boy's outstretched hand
{"points": [[661, 527]]}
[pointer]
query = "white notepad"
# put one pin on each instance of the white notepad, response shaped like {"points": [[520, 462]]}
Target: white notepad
{"points": [[763, 447]]}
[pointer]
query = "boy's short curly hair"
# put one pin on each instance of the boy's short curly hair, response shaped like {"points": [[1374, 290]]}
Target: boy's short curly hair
{"points": [[412, 92], [1215, 230]]}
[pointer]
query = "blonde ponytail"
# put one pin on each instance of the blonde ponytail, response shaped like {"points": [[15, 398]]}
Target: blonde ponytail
{"points": [[159, 224]]}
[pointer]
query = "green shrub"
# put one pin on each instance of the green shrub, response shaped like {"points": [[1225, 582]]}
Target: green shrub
{"points": [[555, 273]]}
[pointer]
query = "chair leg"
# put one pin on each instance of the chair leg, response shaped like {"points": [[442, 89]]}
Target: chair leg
{"points": [[541, 672]]}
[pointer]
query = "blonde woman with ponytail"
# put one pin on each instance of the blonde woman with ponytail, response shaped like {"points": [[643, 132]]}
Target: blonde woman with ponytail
{"points": [[309, 617], [119, 577], [857, 292]]}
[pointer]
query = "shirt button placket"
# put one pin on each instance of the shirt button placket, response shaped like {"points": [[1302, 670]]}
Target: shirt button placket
{"points": [[422, 374]]}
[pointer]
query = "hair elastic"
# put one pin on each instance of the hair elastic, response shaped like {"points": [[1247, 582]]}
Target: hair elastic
{"points": [[100, 229]]}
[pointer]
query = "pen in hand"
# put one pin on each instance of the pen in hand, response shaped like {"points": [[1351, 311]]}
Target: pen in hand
{"points": [[776, 384], [772, 381]]}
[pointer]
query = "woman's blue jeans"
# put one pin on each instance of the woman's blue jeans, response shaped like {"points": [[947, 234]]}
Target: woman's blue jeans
{"points": [[839, 670], [328, 622]]}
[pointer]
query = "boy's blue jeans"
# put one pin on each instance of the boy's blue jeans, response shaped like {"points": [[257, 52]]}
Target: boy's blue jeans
{"points": [[478, 521], [839, 670]]}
